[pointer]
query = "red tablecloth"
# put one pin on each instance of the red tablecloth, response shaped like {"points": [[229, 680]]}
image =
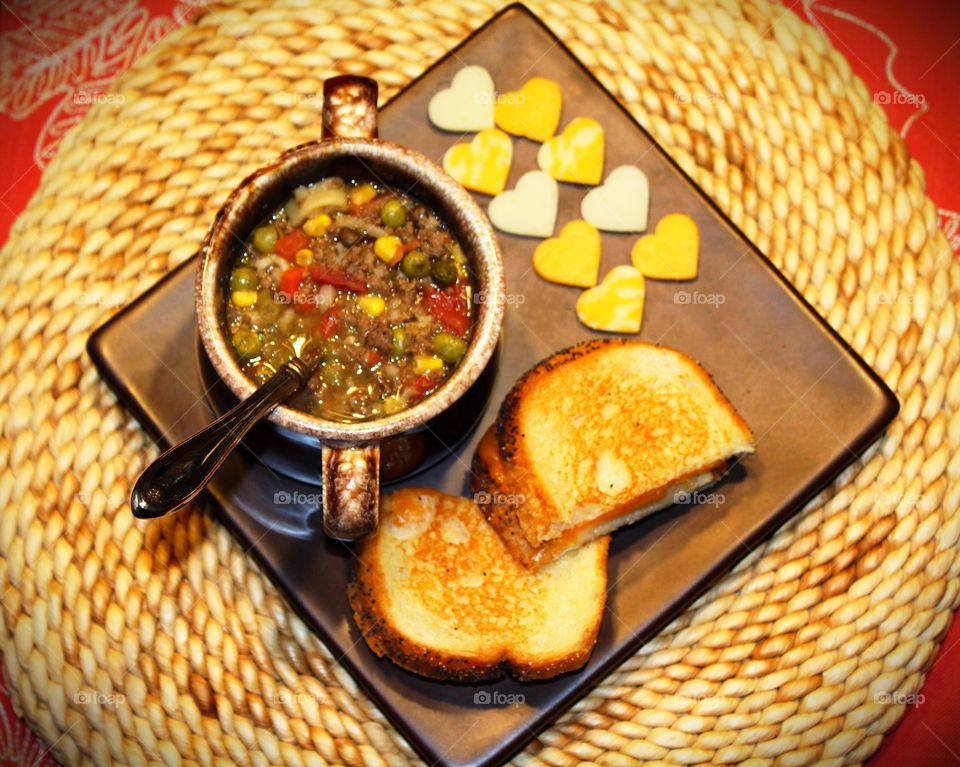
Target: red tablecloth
{"points": [[57, 57]]}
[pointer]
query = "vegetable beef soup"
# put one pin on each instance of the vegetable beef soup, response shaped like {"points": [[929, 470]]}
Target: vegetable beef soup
{"points": [[366, 282]]}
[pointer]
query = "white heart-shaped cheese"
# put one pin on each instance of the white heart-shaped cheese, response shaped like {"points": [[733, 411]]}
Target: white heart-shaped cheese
{"points": [[621, 203], [529, 209], [467, 105]]}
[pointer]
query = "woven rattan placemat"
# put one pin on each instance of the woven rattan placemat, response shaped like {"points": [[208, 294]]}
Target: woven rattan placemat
{"points": [[148, 642]]}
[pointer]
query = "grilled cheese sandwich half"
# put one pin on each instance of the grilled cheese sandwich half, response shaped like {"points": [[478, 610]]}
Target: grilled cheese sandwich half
{"points": [[599, 436], [436, 591]]}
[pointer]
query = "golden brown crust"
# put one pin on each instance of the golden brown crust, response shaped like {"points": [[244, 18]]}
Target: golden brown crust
{"points": [[433, 664], [572, 662], [503, 518], [508, 430], [366, 596], [538, 513], [507, 492], [502, 515], [370, 602]]}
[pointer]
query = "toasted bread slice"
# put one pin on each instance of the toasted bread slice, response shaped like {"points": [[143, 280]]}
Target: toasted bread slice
{"points": [[491, 485], [601, 435], [435, 591], [498, 504]]}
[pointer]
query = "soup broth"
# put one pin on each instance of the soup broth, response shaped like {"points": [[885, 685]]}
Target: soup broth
{"points": [[364, 281]]}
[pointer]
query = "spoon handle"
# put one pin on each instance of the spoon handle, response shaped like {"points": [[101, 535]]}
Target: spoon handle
{"points": [[180, 473]]}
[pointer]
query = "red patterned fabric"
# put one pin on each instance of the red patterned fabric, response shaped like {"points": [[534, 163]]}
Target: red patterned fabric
{"points": [[58, 56], [909, 57]]}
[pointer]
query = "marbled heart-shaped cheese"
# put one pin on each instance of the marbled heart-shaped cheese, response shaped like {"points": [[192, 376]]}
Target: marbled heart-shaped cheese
{"points": [[576, 155], [482, 165], [616, 304]]}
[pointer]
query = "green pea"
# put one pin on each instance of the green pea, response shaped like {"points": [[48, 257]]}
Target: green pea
{"points": [[444, 273], [393, 214], [243, 278], [399, 341], [449, 347], [415, 264], [246, 342], [265, 237]]}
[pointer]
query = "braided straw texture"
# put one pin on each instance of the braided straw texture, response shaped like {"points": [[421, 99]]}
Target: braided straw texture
{"points": [[802, 655]]}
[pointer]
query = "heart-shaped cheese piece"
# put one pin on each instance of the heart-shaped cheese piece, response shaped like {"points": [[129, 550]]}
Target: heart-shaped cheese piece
{"points": [[482, 165], [616, 304], [467, 105], [529, 209], [672, 252], [531, 112], [573, 258], [576, 155], [621, 203]]}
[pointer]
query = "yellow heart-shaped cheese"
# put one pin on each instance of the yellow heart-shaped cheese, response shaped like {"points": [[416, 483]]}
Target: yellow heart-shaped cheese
{"points": [[482, 165], [576, 155], [532, 112], [616, 304], [573, 258], [672, 252]]}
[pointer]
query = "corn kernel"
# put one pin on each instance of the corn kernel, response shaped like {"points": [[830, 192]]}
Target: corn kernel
{"points": [[393, 404], [243, 298], [303, 257], [388, 249], [424, 363], [372, 305], [318, 225], [362, 194]]}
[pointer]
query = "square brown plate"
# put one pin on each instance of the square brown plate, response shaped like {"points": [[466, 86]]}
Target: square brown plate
{"points": [[812, 403]]}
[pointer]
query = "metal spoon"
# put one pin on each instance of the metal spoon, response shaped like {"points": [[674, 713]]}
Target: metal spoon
{"points": [[180, 473]]}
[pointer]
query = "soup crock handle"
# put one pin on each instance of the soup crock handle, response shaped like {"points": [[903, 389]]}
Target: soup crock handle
{"points": [[351, 490], [349, 107], [351, 473]]}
